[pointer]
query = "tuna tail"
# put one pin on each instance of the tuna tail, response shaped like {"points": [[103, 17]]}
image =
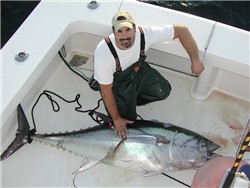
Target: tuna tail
{"points": [[22, 135]]}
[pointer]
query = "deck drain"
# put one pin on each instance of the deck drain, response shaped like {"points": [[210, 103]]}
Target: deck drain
{"points": [[78, 60]]}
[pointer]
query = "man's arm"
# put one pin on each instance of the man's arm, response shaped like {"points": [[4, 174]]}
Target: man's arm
{"points": [[109, 101], [184, 35]]}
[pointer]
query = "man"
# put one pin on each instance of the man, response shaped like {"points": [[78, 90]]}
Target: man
{"points": [[125, 80]]}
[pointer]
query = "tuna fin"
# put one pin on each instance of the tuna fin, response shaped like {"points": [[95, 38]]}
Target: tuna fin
{"points": [[150, 139], [86, 164], [21, 135]]}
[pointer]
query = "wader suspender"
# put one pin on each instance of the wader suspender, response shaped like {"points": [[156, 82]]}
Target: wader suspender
{"points": [[142, 51], [112, 49]]}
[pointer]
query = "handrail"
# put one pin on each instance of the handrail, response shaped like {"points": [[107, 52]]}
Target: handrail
{"points": [[208, 41]]}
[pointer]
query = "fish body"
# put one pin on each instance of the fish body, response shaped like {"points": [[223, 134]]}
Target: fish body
{"points": [[150, 147]]}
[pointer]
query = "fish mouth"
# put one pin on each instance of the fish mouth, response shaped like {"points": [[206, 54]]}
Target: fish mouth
{"points": [[212, 148]]}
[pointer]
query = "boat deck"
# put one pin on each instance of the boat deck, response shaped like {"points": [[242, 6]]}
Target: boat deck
{"points": [[220, 118]]}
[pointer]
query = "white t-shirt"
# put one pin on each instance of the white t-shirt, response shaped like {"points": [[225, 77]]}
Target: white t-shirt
{"points": [[104, 62]]}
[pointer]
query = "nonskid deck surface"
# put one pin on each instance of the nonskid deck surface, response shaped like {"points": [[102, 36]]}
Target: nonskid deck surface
{"points": [[220, 118]]}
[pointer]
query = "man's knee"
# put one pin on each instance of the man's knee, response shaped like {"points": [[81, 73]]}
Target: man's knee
{"points": [[164, 91]]}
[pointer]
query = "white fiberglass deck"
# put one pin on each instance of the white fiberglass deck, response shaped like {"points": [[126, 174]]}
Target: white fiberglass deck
{"points": [[220, 118]]}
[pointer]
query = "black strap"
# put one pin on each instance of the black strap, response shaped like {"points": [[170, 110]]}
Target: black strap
{"points": [[142, 50], [112, 49]]}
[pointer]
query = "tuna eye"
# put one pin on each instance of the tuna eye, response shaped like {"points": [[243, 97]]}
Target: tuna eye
{"points": [[203, 143]]}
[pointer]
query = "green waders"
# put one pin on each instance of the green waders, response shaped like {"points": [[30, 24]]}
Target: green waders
{"points": [[133, 87], [139, 84]]}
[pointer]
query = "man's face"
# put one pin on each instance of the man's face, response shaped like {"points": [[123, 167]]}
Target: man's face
{"points": [[125, 37]]}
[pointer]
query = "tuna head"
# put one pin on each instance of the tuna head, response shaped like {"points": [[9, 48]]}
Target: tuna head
{"points": [[191, 152], [175, 148]]}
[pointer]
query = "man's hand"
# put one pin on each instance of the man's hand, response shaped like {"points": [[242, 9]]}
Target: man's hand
{"points": [[121, 127], [197, 68], [120, 124]]}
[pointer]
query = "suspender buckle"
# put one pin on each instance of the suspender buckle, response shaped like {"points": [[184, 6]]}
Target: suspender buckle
{"points": [[136, 69], [142, 58]]}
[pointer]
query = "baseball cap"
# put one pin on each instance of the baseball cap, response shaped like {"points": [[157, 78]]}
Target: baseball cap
{"points": [[122, 19]]}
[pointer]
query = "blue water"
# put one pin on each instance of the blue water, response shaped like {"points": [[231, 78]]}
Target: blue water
{"points": [[235, 13], [13, 14]]}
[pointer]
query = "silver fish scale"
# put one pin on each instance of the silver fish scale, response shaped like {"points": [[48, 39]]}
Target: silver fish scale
{"points": [[146, 149]]}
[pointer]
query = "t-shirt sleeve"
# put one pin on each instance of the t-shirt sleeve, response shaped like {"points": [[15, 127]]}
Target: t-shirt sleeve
{"points": [[103, 64], [158, 34]]}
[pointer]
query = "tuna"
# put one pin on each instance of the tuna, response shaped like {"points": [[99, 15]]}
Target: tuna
{"points": [[150, 147]]}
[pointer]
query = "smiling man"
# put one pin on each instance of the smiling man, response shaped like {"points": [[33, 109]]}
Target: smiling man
{"points": [[125, 79]]}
